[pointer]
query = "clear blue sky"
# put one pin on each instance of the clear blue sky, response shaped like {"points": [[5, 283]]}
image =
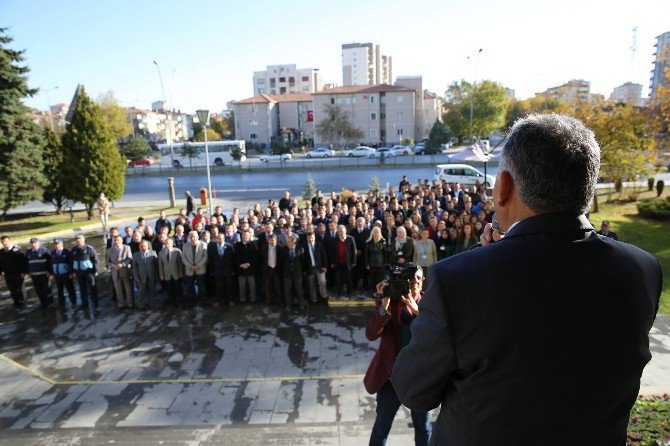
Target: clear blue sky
{"points": [[213, 47]]}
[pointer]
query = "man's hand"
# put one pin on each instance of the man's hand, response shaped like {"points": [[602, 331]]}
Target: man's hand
{"points": [[489, 236]]}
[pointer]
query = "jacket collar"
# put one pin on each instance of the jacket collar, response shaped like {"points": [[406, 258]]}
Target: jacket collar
{"points": [[550, 223]]}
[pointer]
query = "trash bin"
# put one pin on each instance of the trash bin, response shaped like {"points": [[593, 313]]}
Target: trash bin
{"points": [[203, 196]]}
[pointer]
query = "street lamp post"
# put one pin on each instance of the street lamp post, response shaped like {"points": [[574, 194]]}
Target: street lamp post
{"points": [[168, 132], [472, 94], [203, 117]]}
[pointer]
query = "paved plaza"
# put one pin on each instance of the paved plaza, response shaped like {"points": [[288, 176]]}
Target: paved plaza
{"points": [[251, 375]]}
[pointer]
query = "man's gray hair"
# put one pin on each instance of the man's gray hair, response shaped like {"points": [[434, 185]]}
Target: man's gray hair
{"points": [[554, 161]]}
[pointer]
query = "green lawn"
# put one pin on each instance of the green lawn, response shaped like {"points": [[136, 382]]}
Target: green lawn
{"points": [[24, 226], [650, 235]]}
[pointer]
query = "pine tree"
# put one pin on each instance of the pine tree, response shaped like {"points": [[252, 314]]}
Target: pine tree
{"points": [[136, 148], [374, 185], [93, 163], [54, 170], [21, 143], [310, 188]]}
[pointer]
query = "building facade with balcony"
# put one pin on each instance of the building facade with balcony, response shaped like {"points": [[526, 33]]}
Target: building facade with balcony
{"points": [[160, 126], [363, 64], [287, 79], [384, 113], [661, 62], [264, 119]]}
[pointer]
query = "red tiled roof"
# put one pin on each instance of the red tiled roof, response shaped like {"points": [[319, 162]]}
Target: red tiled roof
{"points": [[275, 98]]}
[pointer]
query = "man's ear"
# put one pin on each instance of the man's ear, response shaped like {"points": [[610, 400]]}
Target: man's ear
{"points": [[505, 188]]}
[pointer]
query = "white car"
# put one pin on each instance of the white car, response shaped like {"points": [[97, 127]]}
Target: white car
{"points": [[402, 150], [321, 152], [281, 158], [384, 152], [462, 173], [361, 151]]}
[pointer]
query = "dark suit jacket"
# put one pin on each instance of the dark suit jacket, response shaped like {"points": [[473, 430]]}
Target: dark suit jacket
{"points": [[350, 250], [560, 326], [220, 266], [287, 268], [246, 254], [320, 257]]}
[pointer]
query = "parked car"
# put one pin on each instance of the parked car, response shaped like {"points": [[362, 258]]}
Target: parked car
{"points": [[360, 151], [384, 152], [321, 152], [402, 150], [141, 162], [462, 173], [421, 149], [279, 157]]}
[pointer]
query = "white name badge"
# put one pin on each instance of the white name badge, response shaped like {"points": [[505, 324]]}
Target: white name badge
{"points": [[424, 257], [443, 248], [399, 253]]}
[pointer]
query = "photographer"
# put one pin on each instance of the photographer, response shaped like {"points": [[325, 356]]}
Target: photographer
{"points": [[391, 321]]}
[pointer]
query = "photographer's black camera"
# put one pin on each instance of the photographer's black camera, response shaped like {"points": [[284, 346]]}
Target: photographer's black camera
{"points": [[398, 278]]}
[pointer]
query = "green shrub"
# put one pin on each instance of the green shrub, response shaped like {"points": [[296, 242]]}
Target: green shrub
{"points": [[659, 188], [649, 423], [656, 208], [650, 184]]}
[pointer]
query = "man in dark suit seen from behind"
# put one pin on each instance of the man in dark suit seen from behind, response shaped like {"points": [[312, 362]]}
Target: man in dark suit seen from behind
{"points": [[564, 313], [291, 262]]}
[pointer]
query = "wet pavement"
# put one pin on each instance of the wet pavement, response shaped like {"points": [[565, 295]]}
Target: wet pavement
{"points": [[251, 375]]}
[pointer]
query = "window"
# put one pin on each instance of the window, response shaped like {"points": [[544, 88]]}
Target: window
{"points": [[253, 122], [273, 82], [282, 90], [353, 100], [383, 133], [373, 133], [373, 116], [372, 99], [274, 91], [291, 80], [399, 132], [399, 114], [252, 108], [305, 78], [400, 98], [260, 81], [252, 136], [283, 79], [382, 116], [332, 101], [305, 88]]}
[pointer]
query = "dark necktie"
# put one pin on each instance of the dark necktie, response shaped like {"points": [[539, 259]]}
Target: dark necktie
{"points": [[292, 255], [168, 256]]}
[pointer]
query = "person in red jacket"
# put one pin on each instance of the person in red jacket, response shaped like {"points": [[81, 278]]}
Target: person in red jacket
{"points": [[391, 322]]}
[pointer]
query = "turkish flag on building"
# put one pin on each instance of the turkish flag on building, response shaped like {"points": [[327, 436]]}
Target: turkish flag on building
{"points": [[310, 116]]}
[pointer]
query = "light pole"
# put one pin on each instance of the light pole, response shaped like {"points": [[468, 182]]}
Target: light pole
{"points": [[472, 94], [51, 117], [203, 117], [168, 135]]}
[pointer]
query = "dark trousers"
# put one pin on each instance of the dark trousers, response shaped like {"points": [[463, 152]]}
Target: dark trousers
{"points": [[201, 295], [223, 287], [15, 285], [387, 407], [343, 274], [173, 290], [87, 288], [63, 282], [293, 292], [272, 286], [41, 286], [359, 273]]}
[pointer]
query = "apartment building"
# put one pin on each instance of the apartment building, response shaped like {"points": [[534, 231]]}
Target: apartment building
{"points": [[628, 93], [384, 113], [363, 64], [571, 92], [158, 125], [432, 110], [287, 79], [262, 119], [661, 62]]}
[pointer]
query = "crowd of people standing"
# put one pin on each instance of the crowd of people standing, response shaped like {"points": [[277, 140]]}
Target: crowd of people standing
{"points": [[289, 252]]}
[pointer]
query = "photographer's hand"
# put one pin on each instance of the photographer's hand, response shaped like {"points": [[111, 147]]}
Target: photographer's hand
{"points": [[386, 301]]}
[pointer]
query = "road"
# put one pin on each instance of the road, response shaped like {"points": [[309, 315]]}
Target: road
{"points": [[239, 189], [260, 186]]}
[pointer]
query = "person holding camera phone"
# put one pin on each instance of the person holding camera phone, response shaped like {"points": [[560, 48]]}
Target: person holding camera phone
{"points": [[391, 321]]}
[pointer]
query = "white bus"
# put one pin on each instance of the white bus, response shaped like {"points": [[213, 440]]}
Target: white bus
{"points": [[188, 154]]}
